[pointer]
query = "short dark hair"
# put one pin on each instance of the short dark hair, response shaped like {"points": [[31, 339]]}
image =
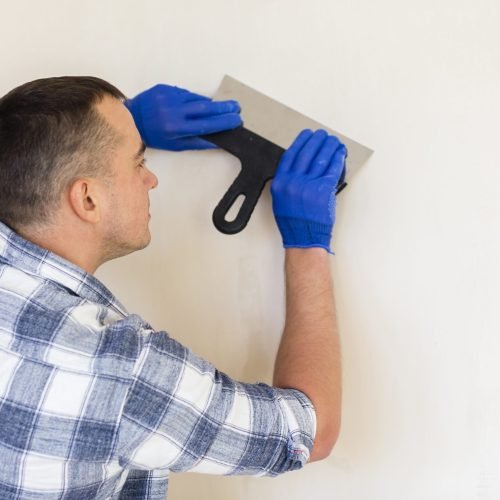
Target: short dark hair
{"points": [[50, 133]]}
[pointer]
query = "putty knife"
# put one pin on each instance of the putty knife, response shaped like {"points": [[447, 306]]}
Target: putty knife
{"points": [[269, 128]]}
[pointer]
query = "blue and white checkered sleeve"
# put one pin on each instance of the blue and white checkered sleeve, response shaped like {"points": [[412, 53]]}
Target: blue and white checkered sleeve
{"points": [[182, 414]]}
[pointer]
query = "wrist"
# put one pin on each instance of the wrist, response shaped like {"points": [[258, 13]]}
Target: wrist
{"points": [[322, 248], [309, 266], [316, 252]]}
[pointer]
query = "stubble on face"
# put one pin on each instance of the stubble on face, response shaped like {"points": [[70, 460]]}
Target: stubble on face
{"points": [[126, 223], [116, 245]]}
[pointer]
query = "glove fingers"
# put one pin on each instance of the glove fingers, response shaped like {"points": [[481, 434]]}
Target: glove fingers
{"points": [[324, 157], [205, 108], [191, 96], [336, 166], [290, 154], [308, 152], [211, 125]]}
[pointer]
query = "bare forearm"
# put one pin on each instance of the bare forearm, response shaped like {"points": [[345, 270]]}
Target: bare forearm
{"points": [[308, 358]]}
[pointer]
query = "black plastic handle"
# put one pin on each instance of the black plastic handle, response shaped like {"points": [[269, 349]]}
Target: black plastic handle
{"points": [[259, 159]]}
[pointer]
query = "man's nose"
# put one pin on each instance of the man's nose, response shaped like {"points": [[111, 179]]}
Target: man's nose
{"points": [[152, 180]]}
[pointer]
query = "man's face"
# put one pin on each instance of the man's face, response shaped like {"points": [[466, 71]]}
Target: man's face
{"points": [[125, 208]]}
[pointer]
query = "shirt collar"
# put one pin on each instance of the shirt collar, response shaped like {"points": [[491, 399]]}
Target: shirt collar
{"points": [[38, 261]]}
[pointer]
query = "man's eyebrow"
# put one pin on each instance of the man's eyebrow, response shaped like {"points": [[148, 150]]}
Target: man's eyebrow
{"points": [[141, 151]]}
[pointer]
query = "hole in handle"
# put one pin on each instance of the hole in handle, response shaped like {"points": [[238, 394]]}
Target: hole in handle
{"points": [[233, 212]]}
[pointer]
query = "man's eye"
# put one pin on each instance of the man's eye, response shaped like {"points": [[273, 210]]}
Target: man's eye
{"points": [[143, 162]]}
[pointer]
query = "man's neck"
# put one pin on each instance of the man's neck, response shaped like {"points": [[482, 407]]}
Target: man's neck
{"points": [[73, 244]]}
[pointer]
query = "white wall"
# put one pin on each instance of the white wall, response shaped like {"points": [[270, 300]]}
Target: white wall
{"points": [[417, 240]]}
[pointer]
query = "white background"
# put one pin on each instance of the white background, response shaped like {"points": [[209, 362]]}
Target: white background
{"points": [[417, 241]]}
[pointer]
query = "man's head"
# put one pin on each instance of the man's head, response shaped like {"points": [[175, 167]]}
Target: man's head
{"points": [[72, 158]]}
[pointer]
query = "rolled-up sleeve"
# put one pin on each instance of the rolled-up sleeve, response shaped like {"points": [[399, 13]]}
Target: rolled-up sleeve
{"points": [[182, 414]]}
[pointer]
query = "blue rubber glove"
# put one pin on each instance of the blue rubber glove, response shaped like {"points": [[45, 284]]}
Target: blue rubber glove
{"points": [[303, 189], [171, 118]]}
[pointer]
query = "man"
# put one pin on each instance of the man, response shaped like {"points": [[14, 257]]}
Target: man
{"points": [[93, 402]]}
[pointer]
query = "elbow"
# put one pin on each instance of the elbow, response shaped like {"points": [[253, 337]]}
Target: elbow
{"points": [[325, 441]]}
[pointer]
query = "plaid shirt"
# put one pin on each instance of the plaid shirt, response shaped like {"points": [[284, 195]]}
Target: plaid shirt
{"points": [[96, 404]]}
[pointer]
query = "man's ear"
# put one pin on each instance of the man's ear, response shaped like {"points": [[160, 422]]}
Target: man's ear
{"points": [[85, 200]]}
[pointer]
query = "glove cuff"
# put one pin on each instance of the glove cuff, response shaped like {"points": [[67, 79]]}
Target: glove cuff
{"points": [[299, 233]]}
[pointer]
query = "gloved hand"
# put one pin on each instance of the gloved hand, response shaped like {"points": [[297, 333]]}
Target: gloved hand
{"points": [[171, 118], [303, 189]]}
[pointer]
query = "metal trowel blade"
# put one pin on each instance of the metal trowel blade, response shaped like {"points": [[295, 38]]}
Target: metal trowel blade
{"points": [[280, 124]]}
